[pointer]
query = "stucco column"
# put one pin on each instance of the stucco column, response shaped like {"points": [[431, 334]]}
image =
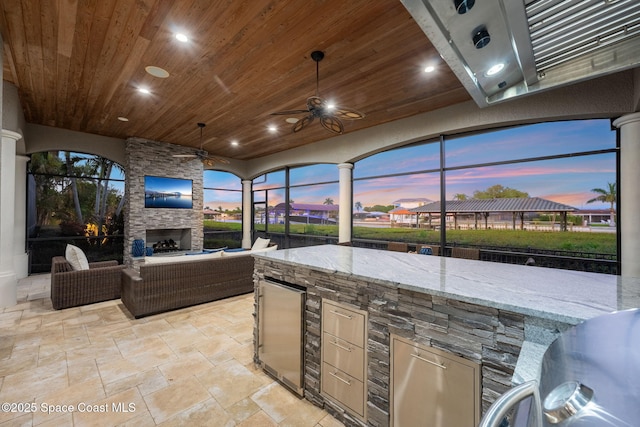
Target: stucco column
{"points": [[629, 126], [8, 278], [345, 212], [20, 255], [246, 213]]}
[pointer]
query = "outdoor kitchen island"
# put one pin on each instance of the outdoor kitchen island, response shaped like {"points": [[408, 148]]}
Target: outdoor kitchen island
{"points": [[497, 317]]}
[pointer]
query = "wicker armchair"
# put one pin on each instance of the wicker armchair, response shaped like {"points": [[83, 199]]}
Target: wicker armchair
{"points": [[397, 247], [70, 288], [465, 253]]}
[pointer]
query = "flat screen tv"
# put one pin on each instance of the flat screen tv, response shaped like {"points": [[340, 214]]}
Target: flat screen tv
{"points": [[163, 192]]}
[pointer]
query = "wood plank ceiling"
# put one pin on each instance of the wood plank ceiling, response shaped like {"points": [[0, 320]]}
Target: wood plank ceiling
{"points": [[77, 65]]}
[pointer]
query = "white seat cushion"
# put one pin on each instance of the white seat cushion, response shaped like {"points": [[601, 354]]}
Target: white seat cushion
{"points": [[247, 253], [180, 258], [76, 257], [260, 243], [226, 254]]}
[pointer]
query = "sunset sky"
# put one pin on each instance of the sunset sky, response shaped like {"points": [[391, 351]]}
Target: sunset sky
{"points": [[568, 180]]}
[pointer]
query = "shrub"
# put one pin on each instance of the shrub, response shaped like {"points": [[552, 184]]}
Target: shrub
{"points": [[71, 228]]}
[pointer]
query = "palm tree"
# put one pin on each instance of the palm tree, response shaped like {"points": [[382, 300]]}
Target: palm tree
{"points": [[46, 167], [607, 195], [358, 206], [460, 196], [69, 163], [101, 168], [328, 201]]}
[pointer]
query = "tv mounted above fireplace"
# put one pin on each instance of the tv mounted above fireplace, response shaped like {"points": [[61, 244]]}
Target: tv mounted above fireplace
{"points": [[163, 192]]}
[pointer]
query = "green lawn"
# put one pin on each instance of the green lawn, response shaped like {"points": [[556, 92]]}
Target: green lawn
{"points": [[604, 243]]}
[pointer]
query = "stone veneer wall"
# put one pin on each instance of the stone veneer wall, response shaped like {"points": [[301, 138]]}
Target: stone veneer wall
{"points": [[490, 337], [145, 157]]}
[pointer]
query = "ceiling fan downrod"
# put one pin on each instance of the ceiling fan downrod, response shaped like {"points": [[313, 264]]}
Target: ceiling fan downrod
{"points": [[201, 126], [317, 56]]}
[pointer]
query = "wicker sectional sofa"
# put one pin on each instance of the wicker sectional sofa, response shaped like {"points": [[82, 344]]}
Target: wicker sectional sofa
{"points": [[167, 286]]}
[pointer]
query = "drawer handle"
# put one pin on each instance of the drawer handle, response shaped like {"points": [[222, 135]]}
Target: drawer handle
{"points": [[417, 356], [340, 346], [343, 315], [338, 378]]}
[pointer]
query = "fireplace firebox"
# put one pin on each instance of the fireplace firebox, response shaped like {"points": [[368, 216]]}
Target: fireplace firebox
{"points": [[169, 239]]}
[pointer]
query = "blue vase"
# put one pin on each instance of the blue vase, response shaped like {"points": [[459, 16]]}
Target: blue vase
{"points": [[426, 251], [149, 251], [138, 248]]}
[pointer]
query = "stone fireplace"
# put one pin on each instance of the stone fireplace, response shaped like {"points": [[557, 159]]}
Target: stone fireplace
{"points": [[182, 226]]}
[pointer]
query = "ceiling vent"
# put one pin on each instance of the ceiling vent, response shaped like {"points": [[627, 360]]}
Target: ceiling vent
{"points": [[463, 6], [540, 44]]}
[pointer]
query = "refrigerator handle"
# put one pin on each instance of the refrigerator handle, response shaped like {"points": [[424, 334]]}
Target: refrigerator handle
{"points": [[501, 407]]}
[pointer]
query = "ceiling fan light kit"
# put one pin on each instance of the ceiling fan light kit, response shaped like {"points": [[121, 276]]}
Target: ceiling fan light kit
{"points": [[317, 107]]}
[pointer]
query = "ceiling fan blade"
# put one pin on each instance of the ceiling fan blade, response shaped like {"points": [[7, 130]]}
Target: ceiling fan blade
{"points": [[332, 124], [218, 160], [289, 112], [347, 113], [302, 123]]}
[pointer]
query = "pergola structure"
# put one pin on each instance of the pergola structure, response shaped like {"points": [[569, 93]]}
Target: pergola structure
{"points": [[517, 206]]}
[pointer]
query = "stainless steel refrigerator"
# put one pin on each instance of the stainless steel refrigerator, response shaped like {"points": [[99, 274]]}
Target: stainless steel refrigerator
{"points": [[281, 332]]}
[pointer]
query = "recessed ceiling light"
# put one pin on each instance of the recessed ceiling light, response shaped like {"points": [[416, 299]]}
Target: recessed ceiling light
{"points": [[157, 71], [292, 120], [495, 69], [272, 128], [144, 90], [182, 37], [234, 143], [123, 119], [429, 69], [331, 106]]}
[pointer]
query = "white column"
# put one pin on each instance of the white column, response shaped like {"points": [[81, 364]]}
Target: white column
{"points": [[8, 279], [20, 255], [345, 213], [246, 213], [629, 126]]}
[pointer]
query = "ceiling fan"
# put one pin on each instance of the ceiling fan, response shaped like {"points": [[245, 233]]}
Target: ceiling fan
{"points": [[317, 107], [202, 154]]}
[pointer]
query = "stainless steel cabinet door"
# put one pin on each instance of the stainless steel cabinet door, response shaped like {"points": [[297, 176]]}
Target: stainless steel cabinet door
{"points": [[432, 388]]}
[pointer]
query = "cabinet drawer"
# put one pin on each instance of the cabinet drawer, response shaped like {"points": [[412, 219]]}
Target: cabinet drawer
{"points": [[343, 355], [343, 388], [343, 323]]}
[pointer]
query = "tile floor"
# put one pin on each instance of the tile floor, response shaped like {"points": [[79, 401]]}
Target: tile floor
{"points": [[187, 367]]}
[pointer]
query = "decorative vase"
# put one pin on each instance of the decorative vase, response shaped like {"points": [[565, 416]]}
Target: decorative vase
{"points": [[138, 248], [149, 251]]}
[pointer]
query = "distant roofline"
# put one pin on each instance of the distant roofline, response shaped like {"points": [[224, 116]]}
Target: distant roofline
{"points": [[514, 204]]}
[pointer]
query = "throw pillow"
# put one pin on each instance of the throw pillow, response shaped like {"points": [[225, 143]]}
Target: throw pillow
{"points": [[260, 243], [76, 258]]}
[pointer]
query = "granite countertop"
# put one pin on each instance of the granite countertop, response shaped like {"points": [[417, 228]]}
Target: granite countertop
{"points": [[559, 295]]}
